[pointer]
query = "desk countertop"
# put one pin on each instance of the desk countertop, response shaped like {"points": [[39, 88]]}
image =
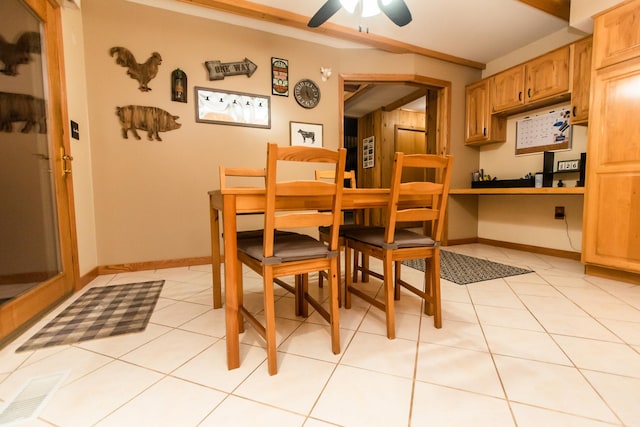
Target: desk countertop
{"points": [[518, 191]]}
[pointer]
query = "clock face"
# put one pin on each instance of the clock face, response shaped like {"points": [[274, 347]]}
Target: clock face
{"points": [[307, 93]]}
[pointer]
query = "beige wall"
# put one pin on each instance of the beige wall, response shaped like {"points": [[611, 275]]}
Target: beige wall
{"points": [[82, 175], [582, 12], [150, 197]]}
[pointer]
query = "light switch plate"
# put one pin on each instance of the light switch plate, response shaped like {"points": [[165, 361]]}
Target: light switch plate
{"points": [[75, 130]]}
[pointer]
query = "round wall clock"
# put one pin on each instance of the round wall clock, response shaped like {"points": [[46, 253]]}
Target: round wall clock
{"points": [[307, 93]]}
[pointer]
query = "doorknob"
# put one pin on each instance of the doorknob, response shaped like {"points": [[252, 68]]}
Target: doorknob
{"points": [[66, 167]]}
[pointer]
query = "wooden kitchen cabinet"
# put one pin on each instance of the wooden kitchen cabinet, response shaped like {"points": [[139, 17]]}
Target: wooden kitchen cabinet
{"points": [[618, 35], [547, 75], [508, 89], [611, 225], [540, 79], [481, 127], [581, 81]]}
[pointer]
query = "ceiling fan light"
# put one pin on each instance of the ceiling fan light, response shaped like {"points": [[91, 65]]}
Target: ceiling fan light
{"points": [[349, 5], [370, 8]]}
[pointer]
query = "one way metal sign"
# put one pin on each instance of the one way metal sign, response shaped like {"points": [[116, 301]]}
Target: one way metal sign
{"points": [[218, 70]]}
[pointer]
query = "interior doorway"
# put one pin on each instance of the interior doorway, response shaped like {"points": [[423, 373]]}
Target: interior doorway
{"points": [[358, 89]]}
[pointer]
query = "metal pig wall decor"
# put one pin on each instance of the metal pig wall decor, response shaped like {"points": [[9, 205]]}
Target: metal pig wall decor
{"points": [[18, 53], [18, 107], [143, 73], [150, 119]]}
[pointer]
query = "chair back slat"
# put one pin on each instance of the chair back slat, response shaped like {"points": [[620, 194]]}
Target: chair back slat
{"points": [[225, 173], [330, 174], [435, 194], [276, 214], [305, 188], [300, 220], [412, 215], [425, 188]]}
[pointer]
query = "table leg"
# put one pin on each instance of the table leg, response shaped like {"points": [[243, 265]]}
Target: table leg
{"points": [[230, 281], [215, 257]]}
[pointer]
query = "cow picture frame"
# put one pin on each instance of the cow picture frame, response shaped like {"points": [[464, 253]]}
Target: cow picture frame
{"points": [[305, 134]]}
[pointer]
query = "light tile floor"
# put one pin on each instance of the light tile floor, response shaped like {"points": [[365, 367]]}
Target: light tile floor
{"points": [[549, 348]]}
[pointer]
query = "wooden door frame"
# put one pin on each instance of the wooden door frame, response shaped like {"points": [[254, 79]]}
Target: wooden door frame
{"points": [[443, 88], [17, 315]]}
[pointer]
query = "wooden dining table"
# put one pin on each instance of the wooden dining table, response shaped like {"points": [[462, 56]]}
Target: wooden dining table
{"points": [[232, 202]]}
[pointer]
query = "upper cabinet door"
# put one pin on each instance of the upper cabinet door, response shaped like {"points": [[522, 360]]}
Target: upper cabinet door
{"points": [[477, 114], [508, 89], [581, 82], [618, 35], [547, 75], [480, 126]]}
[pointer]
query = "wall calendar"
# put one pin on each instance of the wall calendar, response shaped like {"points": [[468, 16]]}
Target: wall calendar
{"points": [[544, 132]]}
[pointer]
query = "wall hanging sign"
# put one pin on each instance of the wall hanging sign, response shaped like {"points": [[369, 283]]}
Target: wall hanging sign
{"points": [[178, 85], [219, 70], [307, 93], [144, 72], [307, 134], [368, 152], [18, 53], [151, 119], [279, 77], [544, 132], [232, 108]]}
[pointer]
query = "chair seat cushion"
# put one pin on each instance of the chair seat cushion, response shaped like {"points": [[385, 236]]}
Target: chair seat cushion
{"points": [[375, 236], [287, 247]]}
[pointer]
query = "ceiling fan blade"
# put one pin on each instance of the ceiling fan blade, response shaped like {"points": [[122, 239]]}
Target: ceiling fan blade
{"points": [[397, 11], [325, 12]]}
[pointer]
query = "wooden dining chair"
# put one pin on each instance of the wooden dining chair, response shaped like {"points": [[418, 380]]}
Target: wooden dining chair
{"points": [[274, 255], [425, 202], [324, 232], [231, 177]]}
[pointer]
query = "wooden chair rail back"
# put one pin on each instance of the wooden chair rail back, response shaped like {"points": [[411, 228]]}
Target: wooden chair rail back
{"points": [[300, 189], [225, 173], [434, 193]]}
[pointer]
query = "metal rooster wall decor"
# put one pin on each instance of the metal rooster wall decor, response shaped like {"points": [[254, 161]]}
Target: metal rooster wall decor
{"points": [[144, 72], [18, 53]]}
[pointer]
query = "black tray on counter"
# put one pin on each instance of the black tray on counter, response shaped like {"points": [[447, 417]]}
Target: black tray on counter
{"points": [[505, 183]]}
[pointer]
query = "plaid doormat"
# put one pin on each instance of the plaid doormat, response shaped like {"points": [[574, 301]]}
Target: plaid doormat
{"points": [[100, 312], [464, 269]]}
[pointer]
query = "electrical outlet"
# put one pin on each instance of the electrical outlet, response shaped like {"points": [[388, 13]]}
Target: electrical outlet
{"points": [[559, 213]]}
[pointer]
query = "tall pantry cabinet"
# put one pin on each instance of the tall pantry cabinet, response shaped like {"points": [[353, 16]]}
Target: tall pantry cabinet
{"points": [[611, 233]]}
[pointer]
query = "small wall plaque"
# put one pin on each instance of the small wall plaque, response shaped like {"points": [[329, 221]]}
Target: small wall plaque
{"points": [[219, 70], [179, 85], [279, 77]]}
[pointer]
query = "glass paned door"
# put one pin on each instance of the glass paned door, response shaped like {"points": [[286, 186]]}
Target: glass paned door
{"points": [[34, 211]]}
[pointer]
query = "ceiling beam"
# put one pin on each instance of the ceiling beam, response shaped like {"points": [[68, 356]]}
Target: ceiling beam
{"points": [[406, 99], [283, 17], [558, 8]]}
